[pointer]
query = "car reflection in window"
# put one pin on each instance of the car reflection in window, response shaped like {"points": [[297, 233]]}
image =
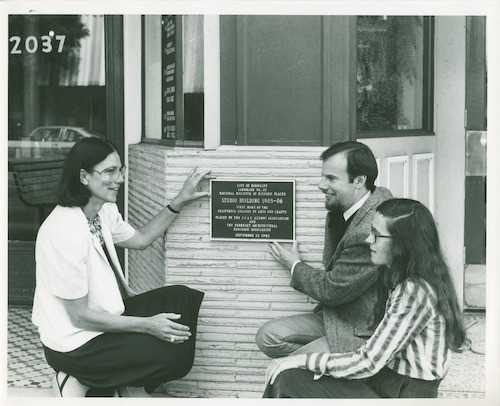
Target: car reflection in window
{"points": [[48, 141]]}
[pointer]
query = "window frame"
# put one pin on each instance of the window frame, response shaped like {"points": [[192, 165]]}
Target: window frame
{"points": [[179, 90], [339, 76]]}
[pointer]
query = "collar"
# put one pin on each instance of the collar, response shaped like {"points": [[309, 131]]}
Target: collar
{"points": [[354, 208]]}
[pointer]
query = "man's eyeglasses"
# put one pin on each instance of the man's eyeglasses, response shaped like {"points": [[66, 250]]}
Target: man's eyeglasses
{"points": [[113, 172]]}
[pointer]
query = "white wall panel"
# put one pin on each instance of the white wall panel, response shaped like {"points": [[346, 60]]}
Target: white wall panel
{"points": [[423, 179], [397, 175]]}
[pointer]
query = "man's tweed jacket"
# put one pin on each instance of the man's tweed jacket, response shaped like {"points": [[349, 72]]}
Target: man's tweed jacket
{"points": [[346, 289]]}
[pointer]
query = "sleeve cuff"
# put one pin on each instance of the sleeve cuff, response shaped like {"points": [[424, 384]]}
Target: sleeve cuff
{"points": [[293, 267], [317, 363]]}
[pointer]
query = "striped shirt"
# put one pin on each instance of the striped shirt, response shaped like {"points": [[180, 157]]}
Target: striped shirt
{"points": [[410, 340]]}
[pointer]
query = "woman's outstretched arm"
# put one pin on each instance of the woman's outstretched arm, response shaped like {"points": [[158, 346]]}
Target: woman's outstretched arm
{"points": [[149, 232]]}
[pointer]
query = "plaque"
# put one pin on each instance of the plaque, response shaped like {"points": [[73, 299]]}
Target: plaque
{"points": [[254, 210]]}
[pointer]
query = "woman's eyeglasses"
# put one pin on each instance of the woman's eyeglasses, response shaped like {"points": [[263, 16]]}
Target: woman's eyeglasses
{"points": [[375, 235], [113, 172]]}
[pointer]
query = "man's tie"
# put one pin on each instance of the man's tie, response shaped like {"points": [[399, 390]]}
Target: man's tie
{"points": [[337, 228]]}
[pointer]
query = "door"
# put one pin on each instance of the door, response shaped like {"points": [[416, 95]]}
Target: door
{"points": [[394, 101], [59, 80]]}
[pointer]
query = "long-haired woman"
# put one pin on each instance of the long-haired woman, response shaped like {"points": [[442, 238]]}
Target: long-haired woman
{"points": [[417, 318]]}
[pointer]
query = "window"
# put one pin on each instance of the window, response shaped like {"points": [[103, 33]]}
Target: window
{"points": [[59, 81], [315, 80], [56, 81], [393, 64], [173, 82], [71, 136], [273, 87]]}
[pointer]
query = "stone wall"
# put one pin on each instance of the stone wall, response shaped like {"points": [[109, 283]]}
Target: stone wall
{"points": [[244, 286], [147, 196]]}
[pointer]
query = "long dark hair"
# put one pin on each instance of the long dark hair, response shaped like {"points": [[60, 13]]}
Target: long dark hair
{"points": [[85, 154], [416, 255]]}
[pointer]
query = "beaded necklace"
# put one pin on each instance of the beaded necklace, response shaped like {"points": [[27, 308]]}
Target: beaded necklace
{"points": [[95, 228]]}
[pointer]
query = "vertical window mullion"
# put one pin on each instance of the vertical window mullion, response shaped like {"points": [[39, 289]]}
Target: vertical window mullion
{"points": [[339, 45], [428, 79], [351, 82], [241, 81], [143, 76], [179, 86], [327, 79], [228, 83]]}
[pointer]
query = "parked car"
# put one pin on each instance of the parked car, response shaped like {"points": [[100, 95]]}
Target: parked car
{"points": [[49, 140]]}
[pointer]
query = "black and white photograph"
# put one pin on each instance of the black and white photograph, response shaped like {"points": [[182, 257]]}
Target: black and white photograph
{"points": [[246, 200]]}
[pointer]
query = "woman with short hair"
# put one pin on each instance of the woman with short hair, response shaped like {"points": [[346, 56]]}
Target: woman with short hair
{"points": [[417, 317], [100, 337]]}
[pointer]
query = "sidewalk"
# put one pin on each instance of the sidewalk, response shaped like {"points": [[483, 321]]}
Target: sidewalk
{"points": [[29, 375]]}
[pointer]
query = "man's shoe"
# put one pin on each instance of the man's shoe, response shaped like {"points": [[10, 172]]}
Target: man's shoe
{"points": [[64, 385]]}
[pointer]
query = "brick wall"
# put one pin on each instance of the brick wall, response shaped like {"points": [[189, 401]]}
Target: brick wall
{"points": [[244, 286]]}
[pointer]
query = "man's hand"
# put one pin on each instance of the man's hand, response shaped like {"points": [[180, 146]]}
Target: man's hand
{"points": [[287, 258], [281, 364]]}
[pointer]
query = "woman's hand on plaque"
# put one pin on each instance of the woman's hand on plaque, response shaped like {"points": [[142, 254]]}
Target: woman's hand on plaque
{"points": [[191, 189]]}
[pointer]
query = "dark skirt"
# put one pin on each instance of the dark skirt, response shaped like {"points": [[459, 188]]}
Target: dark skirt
{"points": [[111, 360], [299, 383]]}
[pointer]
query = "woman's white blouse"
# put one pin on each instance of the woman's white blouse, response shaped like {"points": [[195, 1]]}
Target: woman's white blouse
{"points": [[71, 264]]}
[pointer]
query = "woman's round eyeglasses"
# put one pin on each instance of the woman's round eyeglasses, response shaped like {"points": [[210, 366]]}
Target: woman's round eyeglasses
{"points": [[113, 172]]}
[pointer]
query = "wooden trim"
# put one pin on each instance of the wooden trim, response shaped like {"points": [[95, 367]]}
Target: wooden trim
{"points": [[393, 133], [168, 142], [428, 76], [342, 64], [190, 144], [113, 33], [113, 46], [143, 76], [351, 91], [475, 90], [228, 99], [327, 75], [284, 143], [179, 83], [241, 81]]}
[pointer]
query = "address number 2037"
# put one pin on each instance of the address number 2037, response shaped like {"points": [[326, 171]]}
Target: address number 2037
{"points": [[46, 44]]}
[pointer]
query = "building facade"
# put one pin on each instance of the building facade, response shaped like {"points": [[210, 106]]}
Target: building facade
{"points": [[278, 91], [260, 97]]}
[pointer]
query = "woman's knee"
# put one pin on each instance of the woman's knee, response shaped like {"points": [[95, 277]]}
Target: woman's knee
{"points": [[182, 362], [286, 383]]}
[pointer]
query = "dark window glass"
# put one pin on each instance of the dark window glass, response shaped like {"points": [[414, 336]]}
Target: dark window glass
{"points": [[390, 73], [175, 43]]}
